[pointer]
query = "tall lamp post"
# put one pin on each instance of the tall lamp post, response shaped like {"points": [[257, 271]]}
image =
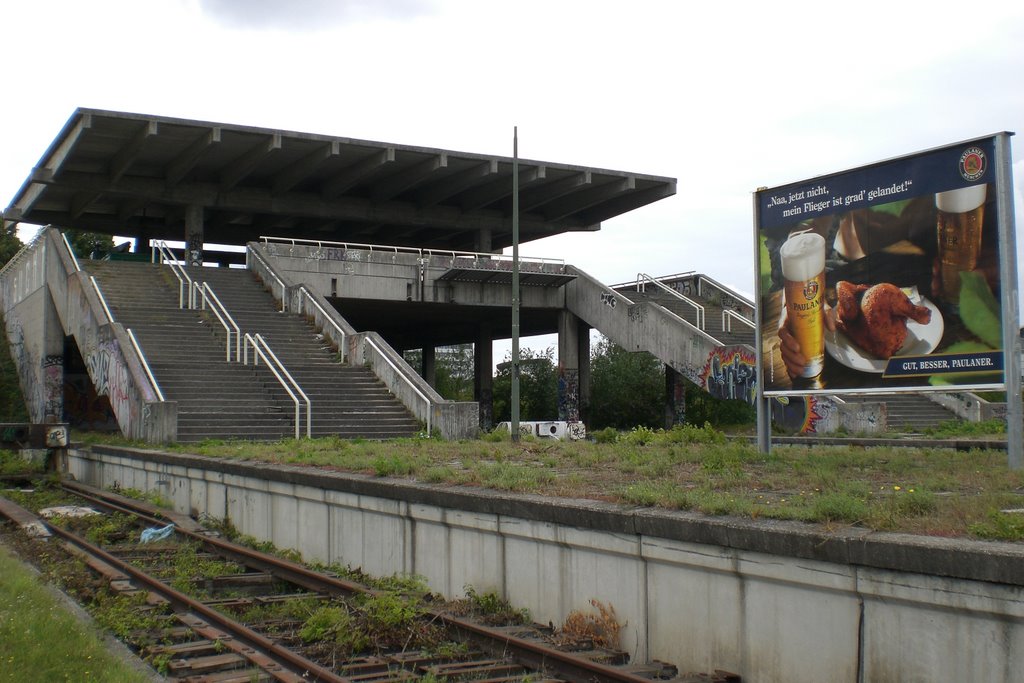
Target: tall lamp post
{"points": [[515, 284]]}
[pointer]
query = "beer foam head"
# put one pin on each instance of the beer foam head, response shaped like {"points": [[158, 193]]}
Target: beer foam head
{"points": [[803, 256], [961, 201]]}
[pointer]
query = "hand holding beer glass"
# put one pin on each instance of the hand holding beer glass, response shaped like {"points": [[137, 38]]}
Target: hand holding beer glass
{"points": [[802, 334], [961, 214]]}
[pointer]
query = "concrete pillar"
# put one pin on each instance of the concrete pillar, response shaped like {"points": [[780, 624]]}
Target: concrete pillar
{"points": [[568, 367], [483, 378], [675, 398], [194, 234], [52, 363], [430, 365], [483, 240], [584, 356]]}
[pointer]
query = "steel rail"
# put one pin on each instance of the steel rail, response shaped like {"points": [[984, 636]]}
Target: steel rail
{"points": [[179, 600], [573, 667]]}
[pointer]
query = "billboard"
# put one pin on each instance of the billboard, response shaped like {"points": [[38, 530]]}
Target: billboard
{"points": [[885, 278]]}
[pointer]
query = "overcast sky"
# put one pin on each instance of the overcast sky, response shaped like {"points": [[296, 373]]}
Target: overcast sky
{"points": [[726, 97]]}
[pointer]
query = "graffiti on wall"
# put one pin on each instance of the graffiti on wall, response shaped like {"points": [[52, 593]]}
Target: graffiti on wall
{"points": [[730, 373], [195, 249], [568, 394], [802, 414], [112, 379], [32, 389], [608, 299], [53, 387]]}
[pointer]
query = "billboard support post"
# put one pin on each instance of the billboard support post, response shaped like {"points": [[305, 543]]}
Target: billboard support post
{"points": [[764, 415], [1010, 303]]}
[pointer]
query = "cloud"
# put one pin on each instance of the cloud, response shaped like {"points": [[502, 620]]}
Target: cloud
{"points": [[308, 15]]}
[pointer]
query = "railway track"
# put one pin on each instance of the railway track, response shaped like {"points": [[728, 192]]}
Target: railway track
{"points": [[201, 608]]}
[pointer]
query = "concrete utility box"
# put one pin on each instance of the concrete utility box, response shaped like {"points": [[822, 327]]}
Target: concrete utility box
{"points": [[556, 429]]}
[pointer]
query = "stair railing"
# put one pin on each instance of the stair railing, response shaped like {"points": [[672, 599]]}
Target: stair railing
{"points": [[74, 259], [262, 350], [641, 284], [270, 271], [304, 296], [399, 373], [103, 301], [167, 256], [722, 289], [728, 316], [205, 294], [145, 364]]}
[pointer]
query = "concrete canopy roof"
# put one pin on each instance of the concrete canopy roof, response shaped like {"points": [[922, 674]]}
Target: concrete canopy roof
{"points": [[137, 175]]}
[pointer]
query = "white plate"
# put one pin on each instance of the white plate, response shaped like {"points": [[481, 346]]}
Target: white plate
{"points": [[921, 340]]}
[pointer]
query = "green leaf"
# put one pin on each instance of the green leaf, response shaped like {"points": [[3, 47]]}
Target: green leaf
{"points": [[954, 378], [979, 309]]}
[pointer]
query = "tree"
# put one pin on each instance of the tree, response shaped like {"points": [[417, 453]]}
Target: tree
{"points": [[538, 386], [453, 370], [9, 242], [627, 389], [85, 244]]}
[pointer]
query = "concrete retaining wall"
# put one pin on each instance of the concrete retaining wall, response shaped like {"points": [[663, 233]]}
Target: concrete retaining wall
{"points": [[773, 601]]}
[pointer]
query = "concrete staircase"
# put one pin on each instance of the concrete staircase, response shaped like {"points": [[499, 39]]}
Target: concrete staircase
{"points": [[728, 331], [908, 412], [221, 399]]}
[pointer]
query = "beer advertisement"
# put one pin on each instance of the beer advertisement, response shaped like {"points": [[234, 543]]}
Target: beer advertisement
{"points": [[883, 278]]}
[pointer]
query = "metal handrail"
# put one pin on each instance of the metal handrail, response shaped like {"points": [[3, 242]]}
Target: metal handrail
{"points": [[410, 250], [642, 287], [21, 253], [303, 290], [74, 259], [103, 301], [728, 316], [167, 256], [408, 381], [270, 271], [145, 364], [632, 283], [262, 349], [206, 292]]}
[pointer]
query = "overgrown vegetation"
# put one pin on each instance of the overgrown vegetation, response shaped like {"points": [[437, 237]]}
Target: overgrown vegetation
{"points": [[935, 491], [598, 628]]}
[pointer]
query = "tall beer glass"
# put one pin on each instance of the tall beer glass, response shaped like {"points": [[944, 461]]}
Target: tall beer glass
{"points": [[960, 217], [803, 269]]}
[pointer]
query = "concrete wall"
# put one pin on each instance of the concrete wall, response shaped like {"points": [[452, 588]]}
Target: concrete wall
{"points": [[45, 298], [453, 420], [772, 601]]}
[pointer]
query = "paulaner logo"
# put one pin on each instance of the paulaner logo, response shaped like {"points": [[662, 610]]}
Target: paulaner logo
{"points": [[810, 289], [972, 163]]}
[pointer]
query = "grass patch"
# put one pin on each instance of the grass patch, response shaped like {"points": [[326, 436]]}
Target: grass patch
{"points": [[41, 642], [936, 491]]}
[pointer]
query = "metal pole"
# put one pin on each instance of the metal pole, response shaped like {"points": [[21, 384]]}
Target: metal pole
{"points": [[764, 409], [1010, 302], [515, 283]]}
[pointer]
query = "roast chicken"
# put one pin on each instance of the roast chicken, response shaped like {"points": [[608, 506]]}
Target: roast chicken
{"points": [[875, 317]]}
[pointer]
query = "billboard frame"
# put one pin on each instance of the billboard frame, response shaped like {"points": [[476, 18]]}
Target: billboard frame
{"points": [[999, 145]]}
